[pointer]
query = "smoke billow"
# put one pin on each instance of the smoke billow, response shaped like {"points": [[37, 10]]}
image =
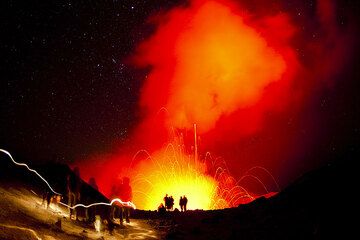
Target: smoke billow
{"points": [[243, 76]]}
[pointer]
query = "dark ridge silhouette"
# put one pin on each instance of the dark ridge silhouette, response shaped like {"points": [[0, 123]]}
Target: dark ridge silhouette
{"points": [[318, 205], [56, 174]]}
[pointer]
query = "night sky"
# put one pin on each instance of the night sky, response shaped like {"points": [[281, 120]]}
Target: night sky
{"points": [[68, 91], [65, 90]]}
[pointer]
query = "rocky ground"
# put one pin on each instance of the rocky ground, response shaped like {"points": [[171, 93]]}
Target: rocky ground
{"points": [[22, 216], [319, 205]]}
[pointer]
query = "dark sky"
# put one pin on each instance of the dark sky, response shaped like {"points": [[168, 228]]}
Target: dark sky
{"points": [[67, 93], [65, 90]]}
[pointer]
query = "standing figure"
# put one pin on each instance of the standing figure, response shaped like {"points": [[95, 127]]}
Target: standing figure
{"points": [[181, 203], [90, 213], [126, 196], [166, 201], [171, 203], [73, 190], [161, 209], [116, 208], [47, 198], [70, 194], [185, 200]]}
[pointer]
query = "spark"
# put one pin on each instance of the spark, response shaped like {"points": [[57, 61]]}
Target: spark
{"points": [[172, 171], [207, 181], [267, 172]]}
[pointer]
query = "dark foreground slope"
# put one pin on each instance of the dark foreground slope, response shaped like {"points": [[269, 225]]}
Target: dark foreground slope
{"points": [[23, 216], [55, 173], [19, 177], [319, 205]]}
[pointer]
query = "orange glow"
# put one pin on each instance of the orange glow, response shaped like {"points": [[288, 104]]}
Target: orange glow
{"points": [[238, 72], [220, 65], [206, 63], [171, 171], [175, 175]]}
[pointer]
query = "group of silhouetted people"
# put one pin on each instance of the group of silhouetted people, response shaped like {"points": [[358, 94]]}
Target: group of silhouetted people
{"points": [[77, 192], [183, 202], [169, 204]]}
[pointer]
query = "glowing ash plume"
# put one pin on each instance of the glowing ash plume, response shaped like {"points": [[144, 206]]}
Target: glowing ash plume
{"points": [[245, 74], [220, 64]]}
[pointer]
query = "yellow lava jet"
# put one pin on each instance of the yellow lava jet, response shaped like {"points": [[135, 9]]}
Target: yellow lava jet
{"points": [[206, 182], [176, 175], [174, 172]]}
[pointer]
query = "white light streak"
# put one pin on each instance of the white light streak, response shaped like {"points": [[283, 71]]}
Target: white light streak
{"points": [[115, 200], [31, 170], [118, 200]]}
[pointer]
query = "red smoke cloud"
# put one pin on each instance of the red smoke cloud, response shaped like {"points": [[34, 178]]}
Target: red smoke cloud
{"points": [[240, 76], [216, 65]]}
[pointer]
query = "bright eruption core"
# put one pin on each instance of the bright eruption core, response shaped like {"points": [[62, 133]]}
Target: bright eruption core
{"points": [[174, 174]]}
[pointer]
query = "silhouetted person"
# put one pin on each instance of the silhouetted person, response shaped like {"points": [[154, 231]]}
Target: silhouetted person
{"points": [[70, 194], [166, 201], [91, 212], [77, 183], [171, 202], [161, 209], [116, 208], [181, 203], [126, 196], [47, 198], [111, 226], [73, 190], [185, 200]]}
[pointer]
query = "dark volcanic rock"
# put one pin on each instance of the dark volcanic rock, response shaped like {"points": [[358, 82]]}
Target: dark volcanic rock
{"points": [[315, 206]]}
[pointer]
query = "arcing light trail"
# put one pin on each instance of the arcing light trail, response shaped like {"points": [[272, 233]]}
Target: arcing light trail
{"points": [[115, 200], [31, 170]]}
